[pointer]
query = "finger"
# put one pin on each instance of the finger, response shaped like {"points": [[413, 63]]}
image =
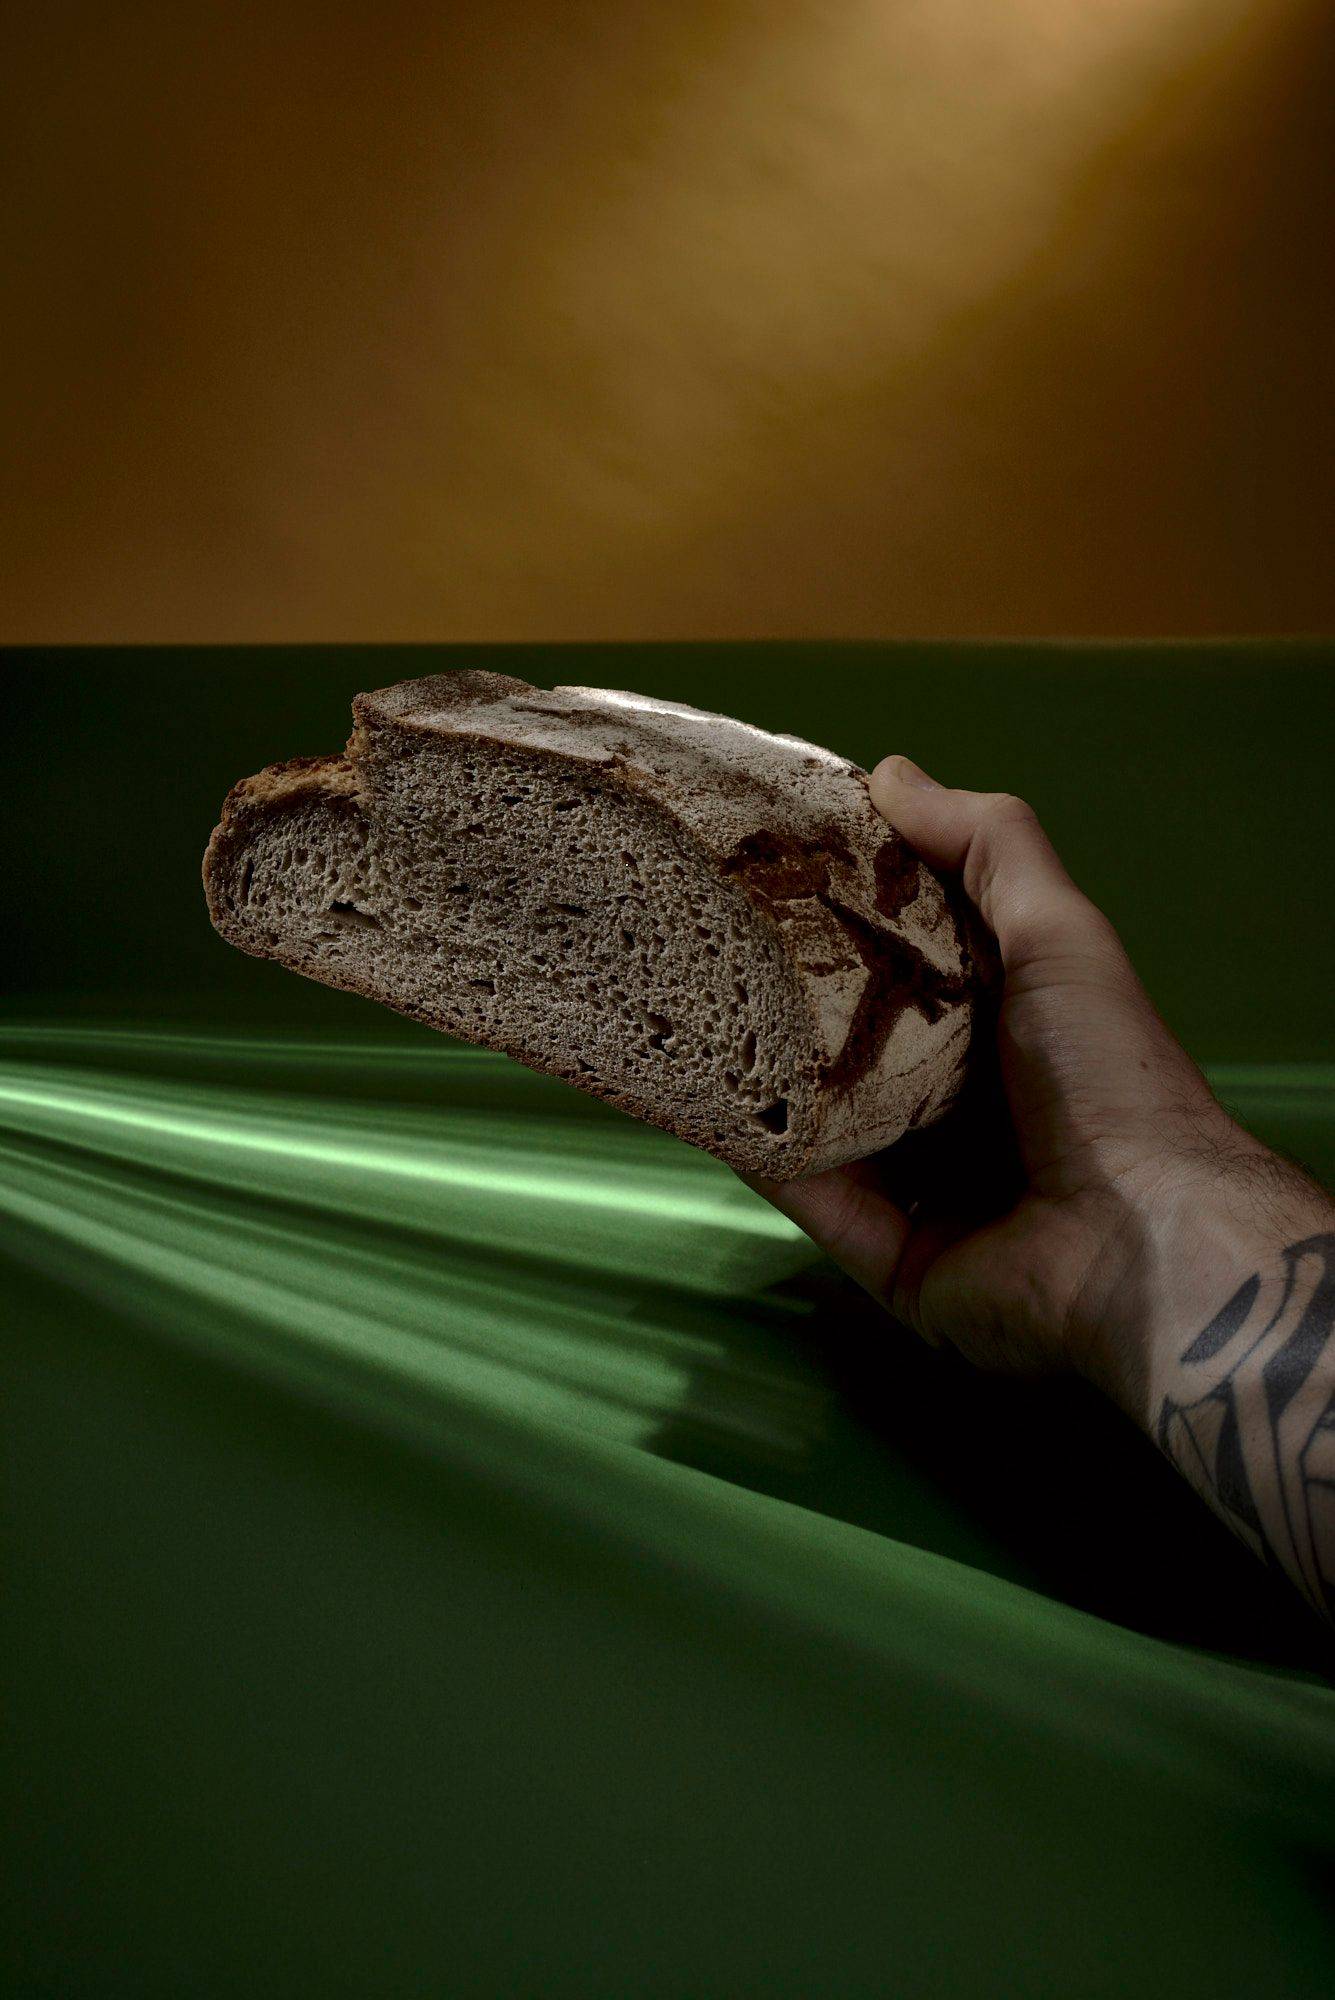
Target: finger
{"points": [[991, 1293], [847, 1214], [931, 1236], [1011, 871]]}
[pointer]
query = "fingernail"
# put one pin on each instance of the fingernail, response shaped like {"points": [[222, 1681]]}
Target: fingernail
{"points": [[909, 773]]}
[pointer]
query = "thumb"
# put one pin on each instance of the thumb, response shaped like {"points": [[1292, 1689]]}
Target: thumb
{"points": [[1011, 871], [1050, 935]]}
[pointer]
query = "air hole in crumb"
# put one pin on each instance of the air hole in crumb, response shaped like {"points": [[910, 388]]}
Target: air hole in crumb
{"points": [[586, 1067], [352, 915], [247, 877], [571, 909], [628, 939], [660, 1029], [742, 993], [484, 985], [749, 1049], [774, 1117], [412, 902], [565, 806]]}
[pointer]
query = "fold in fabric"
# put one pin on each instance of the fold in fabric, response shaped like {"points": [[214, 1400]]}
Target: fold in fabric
{"points": [[598, 1349]]}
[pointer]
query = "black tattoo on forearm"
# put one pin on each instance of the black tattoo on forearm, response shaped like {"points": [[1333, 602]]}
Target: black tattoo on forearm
{"points": [[1250, 1417]]}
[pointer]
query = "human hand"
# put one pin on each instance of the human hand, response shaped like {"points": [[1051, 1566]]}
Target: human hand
{"points": [[1053, 1219]]}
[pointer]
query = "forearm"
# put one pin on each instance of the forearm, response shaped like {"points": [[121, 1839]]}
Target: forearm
{"points": [[1225, 1353]]}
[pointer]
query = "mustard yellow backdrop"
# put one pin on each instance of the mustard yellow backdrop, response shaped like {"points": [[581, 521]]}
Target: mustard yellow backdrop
{"points": [[511, 320]]}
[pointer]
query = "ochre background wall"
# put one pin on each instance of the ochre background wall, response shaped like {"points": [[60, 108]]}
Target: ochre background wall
{"points": [[588, 319]]}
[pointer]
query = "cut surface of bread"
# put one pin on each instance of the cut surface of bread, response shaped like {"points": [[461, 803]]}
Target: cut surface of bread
{"points": [[704, 924]]}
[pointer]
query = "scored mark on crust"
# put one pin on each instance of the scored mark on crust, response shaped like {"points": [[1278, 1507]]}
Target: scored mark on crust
{"points": [[777, 869], [898, 875]]}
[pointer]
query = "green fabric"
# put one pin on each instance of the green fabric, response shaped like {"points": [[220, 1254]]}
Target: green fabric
{"points": [[459, 1541]]}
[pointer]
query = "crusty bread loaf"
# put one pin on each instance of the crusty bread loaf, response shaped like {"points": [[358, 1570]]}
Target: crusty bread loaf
{"points": [[702, 923]]}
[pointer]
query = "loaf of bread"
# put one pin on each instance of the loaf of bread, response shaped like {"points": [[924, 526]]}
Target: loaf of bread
{"points": [[704, 924]]}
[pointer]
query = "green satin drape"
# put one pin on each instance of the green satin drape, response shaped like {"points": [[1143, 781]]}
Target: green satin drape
{"points": [[458, 1542], [465, 1542]]}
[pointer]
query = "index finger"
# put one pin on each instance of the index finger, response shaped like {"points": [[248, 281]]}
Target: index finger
{"points": [[847, 1213]]}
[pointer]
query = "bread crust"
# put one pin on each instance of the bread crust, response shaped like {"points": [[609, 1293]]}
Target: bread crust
{"points": [[893, 965]]}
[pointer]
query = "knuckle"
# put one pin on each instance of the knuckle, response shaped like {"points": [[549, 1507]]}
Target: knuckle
{"points": [[994, 844], [1001, 815], [1028, 938], [1068, 926], [1005, 808]]}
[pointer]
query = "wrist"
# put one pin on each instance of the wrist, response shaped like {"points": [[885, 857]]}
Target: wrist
{"points": [[1178, 1247]]}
